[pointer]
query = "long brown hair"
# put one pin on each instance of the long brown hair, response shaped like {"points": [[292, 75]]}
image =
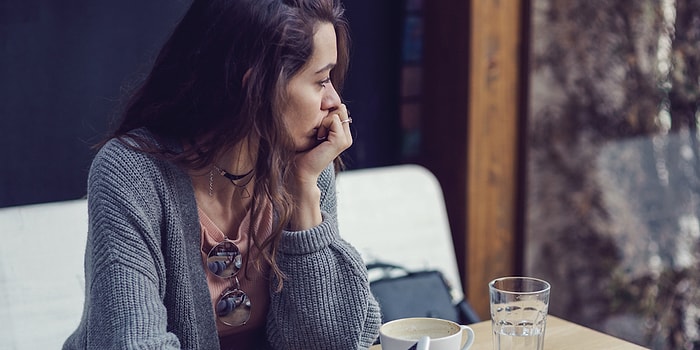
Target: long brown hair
{"points": [[195, 93]]}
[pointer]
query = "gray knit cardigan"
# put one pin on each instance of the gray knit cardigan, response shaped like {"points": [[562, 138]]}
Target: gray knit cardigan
{"points": [[145, 282]]}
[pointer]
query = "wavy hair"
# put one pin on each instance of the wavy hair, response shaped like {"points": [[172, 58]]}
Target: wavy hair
{"points": [[195, 92]]}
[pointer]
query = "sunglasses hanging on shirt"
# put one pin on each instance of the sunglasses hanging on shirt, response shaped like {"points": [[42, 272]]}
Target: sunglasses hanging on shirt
{"points": [[233, 306]]}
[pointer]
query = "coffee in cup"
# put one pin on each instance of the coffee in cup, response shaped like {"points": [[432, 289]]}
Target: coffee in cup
{"points": [[404, 333]]}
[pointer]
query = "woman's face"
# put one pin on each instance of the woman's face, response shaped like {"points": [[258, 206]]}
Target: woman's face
{"points": [[311, 95]]}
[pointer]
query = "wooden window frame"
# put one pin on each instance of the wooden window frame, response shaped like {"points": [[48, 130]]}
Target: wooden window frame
{"points": [[473, 111]]}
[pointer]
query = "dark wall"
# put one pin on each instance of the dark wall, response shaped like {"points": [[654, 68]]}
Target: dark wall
{"points": [[64, 66], [61, 69], [372, 87]]}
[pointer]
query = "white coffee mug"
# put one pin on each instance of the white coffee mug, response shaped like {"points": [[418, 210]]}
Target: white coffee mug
{"points": [[438, 334]]}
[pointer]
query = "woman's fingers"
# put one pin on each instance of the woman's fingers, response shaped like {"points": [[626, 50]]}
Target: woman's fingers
{"points": [[336, 128], [345, 121], [341, 124], [334, 137]]}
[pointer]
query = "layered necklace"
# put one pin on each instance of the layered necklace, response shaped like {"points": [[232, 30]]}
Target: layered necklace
{"points": [[224, 260], [242, 185]]}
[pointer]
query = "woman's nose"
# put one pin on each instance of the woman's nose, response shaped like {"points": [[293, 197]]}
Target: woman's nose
{"points": [[331, 100]]}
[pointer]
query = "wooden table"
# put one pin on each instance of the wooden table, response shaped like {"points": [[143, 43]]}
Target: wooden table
{"points": [[559, 335]]}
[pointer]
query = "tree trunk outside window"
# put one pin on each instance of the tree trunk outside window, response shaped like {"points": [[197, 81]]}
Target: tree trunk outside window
{"points": [[613, 169]]}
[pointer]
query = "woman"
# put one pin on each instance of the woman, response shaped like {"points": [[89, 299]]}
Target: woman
{"points": [[212, 206]]}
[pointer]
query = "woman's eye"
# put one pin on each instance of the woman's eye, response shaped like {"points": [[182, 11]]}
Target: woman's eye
{"points": [[324, 82]]}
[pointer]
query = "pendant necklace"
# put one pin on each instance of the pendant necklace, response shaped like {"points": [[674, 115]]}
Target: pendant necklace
{"points": [[233, 178]]}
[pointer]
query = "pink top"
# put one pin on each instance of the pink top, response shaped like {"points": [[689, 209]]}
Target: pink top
{"points": [[253, 282]]}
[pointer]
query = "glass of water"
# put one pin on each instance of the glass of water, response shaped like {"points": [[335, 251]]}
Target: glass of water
{"points": [[518, 312]]}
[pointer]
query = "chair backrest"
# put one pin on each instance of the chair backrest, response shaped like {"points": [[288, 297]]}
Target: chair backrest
{"points": [[391, 214], [397, 215], [41, 273]]}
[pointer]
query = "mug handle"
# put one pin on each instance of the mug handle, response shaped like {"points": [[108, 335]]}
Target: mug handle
{"points": [[423, 343], [470, 336]]}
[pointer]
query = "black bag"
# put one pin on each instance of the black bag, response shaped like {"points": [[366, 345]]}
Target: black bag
{"points": [[417, 294]]}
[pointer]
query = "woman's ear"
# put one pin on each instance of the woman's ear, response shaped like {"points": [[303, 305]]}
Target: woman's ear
{"points": [[246, 76]]}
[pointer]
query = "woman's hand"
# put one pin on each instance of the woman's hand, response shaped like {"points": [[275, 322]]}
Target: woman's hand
{"points": [[334, 137]]}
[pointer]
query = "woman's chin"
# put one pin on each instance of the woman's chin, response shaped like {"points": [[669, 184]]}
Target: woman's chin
{"points": [[307, 145]]}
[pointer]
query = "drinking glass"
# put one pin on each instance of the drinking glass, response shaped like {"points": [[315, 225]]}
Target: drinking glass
{"points": [[518, 312]]}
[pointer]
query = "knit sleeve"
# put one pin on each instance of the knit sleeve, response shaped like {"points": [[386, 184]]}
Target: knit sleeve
{"points": [[123, 267], [325, 302]]}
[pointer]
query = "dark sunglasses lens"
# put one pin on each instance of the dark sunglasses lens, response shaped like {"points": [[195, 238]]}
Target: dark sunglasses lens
{"points": [[224, 260], [233, 308]]}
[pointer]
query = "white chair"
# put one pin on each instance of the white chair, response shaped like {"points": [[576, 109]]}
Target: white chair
{"points": [[397, 215], [392, 214], [41, 273]]}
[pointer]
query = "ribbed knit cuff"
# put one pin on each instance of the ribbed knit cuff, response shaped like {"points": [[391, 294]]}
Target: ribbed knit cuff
{"points": [[311, 240]]}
